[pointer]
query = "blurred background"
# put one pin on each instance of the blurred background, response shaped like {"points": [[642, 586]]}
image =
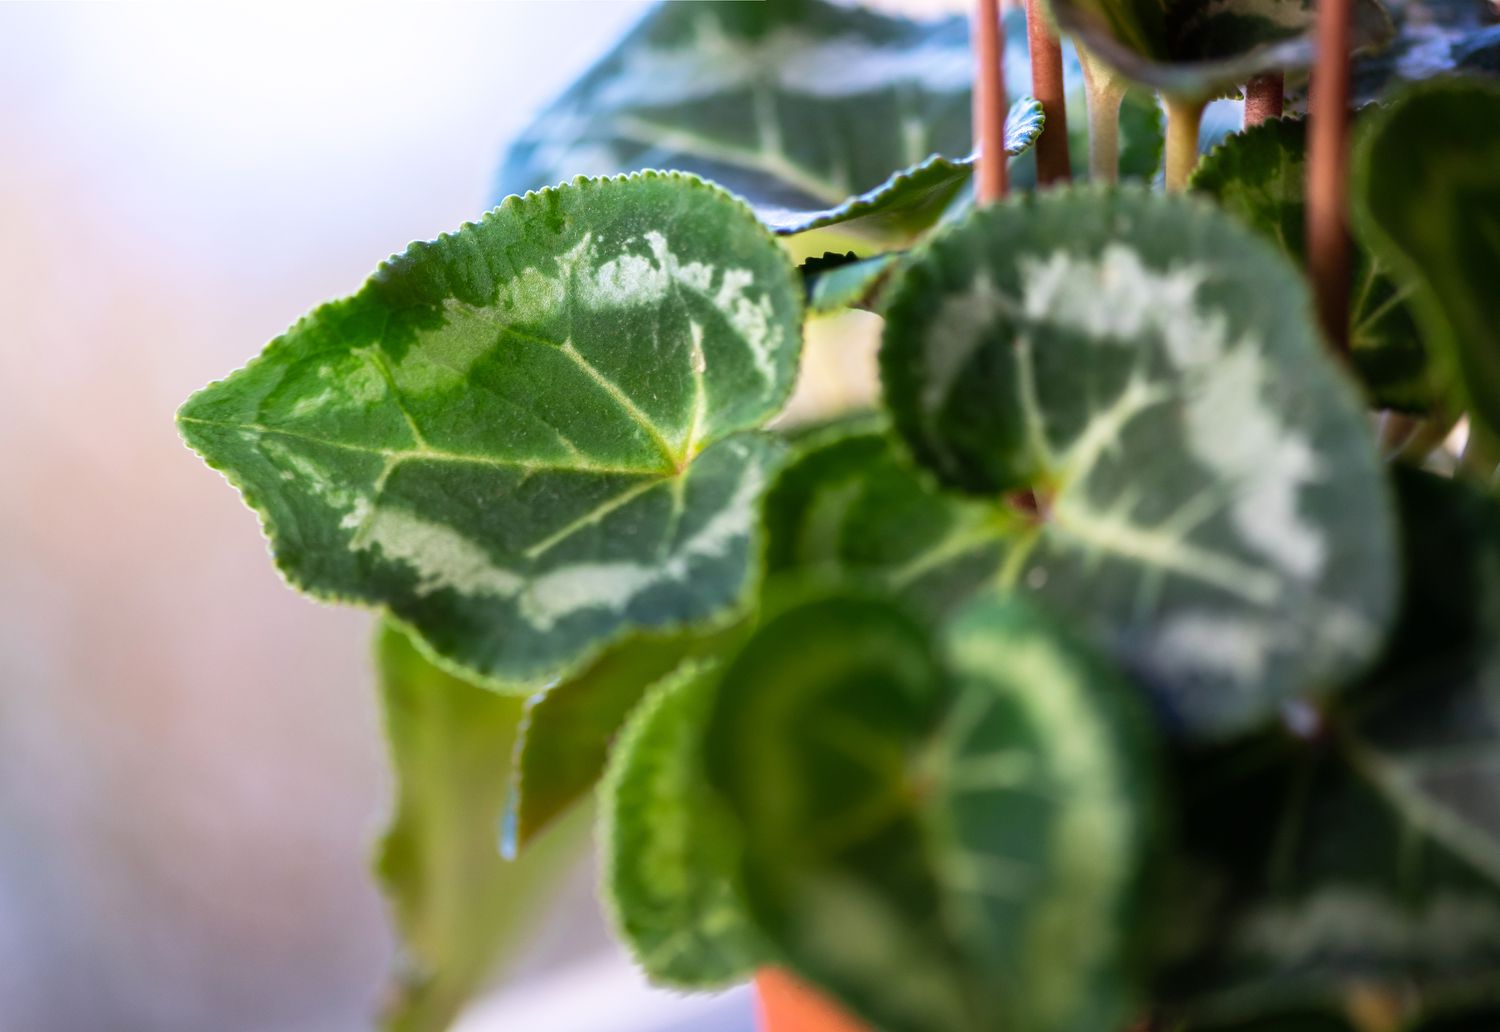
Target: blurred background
{"points": [[192, 770]]}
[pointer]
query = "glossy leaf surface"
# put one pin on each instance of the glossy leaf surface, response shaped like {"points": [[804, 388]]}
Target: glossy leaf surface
{"points": [[1260, 177], [943, 844], [527, 439], [1364, 855], [814, 112], [1427, 202], [458, 906], [1210, 501], [670, 851]]}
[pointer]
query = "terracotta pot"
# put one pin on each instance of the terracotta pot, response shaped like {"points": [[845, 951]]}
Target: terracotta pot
{"points": [[786, 1005]]}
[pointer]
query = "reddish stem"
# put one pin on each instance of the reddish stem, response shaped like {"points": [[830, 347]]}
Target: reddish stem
{"points": [[1328, 172], [1053, 164], [1265, 97], [989, 102]]}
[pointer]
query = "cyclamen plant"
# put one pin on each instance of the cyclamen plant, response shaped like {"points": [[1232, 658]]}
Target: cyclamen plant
{"points": [[1135, 662]]}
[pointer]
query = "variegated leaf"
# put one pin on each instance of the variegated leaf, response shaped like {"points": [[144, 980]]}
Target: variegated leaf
{"points": [[940, 851], [1432, 38], [848, 506], [459, 907], [1200, 48], [1260, 177], [818, 114], [1361, 854], [670, 850], [528, 438], [1427, 202], [569, 729], [1210, 502]]}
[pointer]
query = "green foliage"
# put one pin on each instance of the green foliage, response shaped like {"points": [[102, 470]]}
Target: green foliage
{"points": [[1432, 38], [527, 438], [1078, 682], [1428, 204], [961, 847], [460, 908], [1210, 503], [1200, 49], [1260, 177]]}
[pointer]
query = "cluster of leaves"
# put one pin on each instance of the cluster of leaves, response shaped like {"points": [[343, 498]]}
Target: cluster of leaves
{"points": [[1108, 669]]}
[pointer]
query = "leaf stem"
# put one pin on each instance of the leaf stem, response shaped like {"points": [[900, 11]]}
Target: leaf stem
{"points": [[1184, 117], [989, 101], [1053, 162], [1265, 98], [1328, 172], [1105, 90]]}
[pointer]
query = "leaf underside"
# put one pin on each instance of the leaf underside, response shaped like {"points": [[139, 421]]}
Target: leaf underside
{"points": [[1211, 504], [817, 114], [1427, 202], [961, 851], [1260, 177], [533, 436]]}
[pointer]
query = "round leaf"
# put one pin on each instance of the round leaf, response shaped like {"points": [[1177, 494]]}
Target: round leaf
{"points": [[526, 438]]}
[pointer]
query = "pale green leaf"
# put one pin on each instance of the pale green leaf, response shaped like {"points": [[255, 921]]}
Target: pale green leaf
{"points": [[1427, 202], [527, 439], [1260, 177], [835, 282], [1363, 853], [941, 851], [1198, 48], [569, 729], [1210, 503], [671, 853], [816, 113], [847, 505], [459, 907]]}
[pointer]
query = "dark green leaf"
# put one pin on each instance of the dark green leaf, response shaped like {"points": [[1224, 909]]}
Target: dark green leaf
{"points": [[835, 282], [1363, 855], [527, 439], [1198, 48], [568, 730], [816, 113], [459, 907], [1211, 503], [1260, 177], [943, 852], [849, 506], [671, 853], [1427, 203]]}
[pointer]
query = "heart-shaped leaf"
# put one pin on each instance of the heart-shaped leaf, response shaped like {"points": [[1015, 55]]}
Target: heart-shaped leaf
{"points": [[816, 113], [1427, 202], [1260, 177], [1210, 503], [1363, 854], [460, 908], [527, 439], [670, 850], [569, 729], [848, 506], [1198, 48], [942, 852]]}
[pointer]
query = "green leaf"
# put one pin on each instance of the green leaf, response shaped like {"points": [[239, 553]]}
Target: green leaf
{"points": [[1199, 48], [848, 506], [460, 908], [1432, 38], [1364, 853], [527, 439], [835, 282], [818, 114], [670, 849], [569, 729], [1260, 177], [1427, 202], [942, 852], [1211, 506]]}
